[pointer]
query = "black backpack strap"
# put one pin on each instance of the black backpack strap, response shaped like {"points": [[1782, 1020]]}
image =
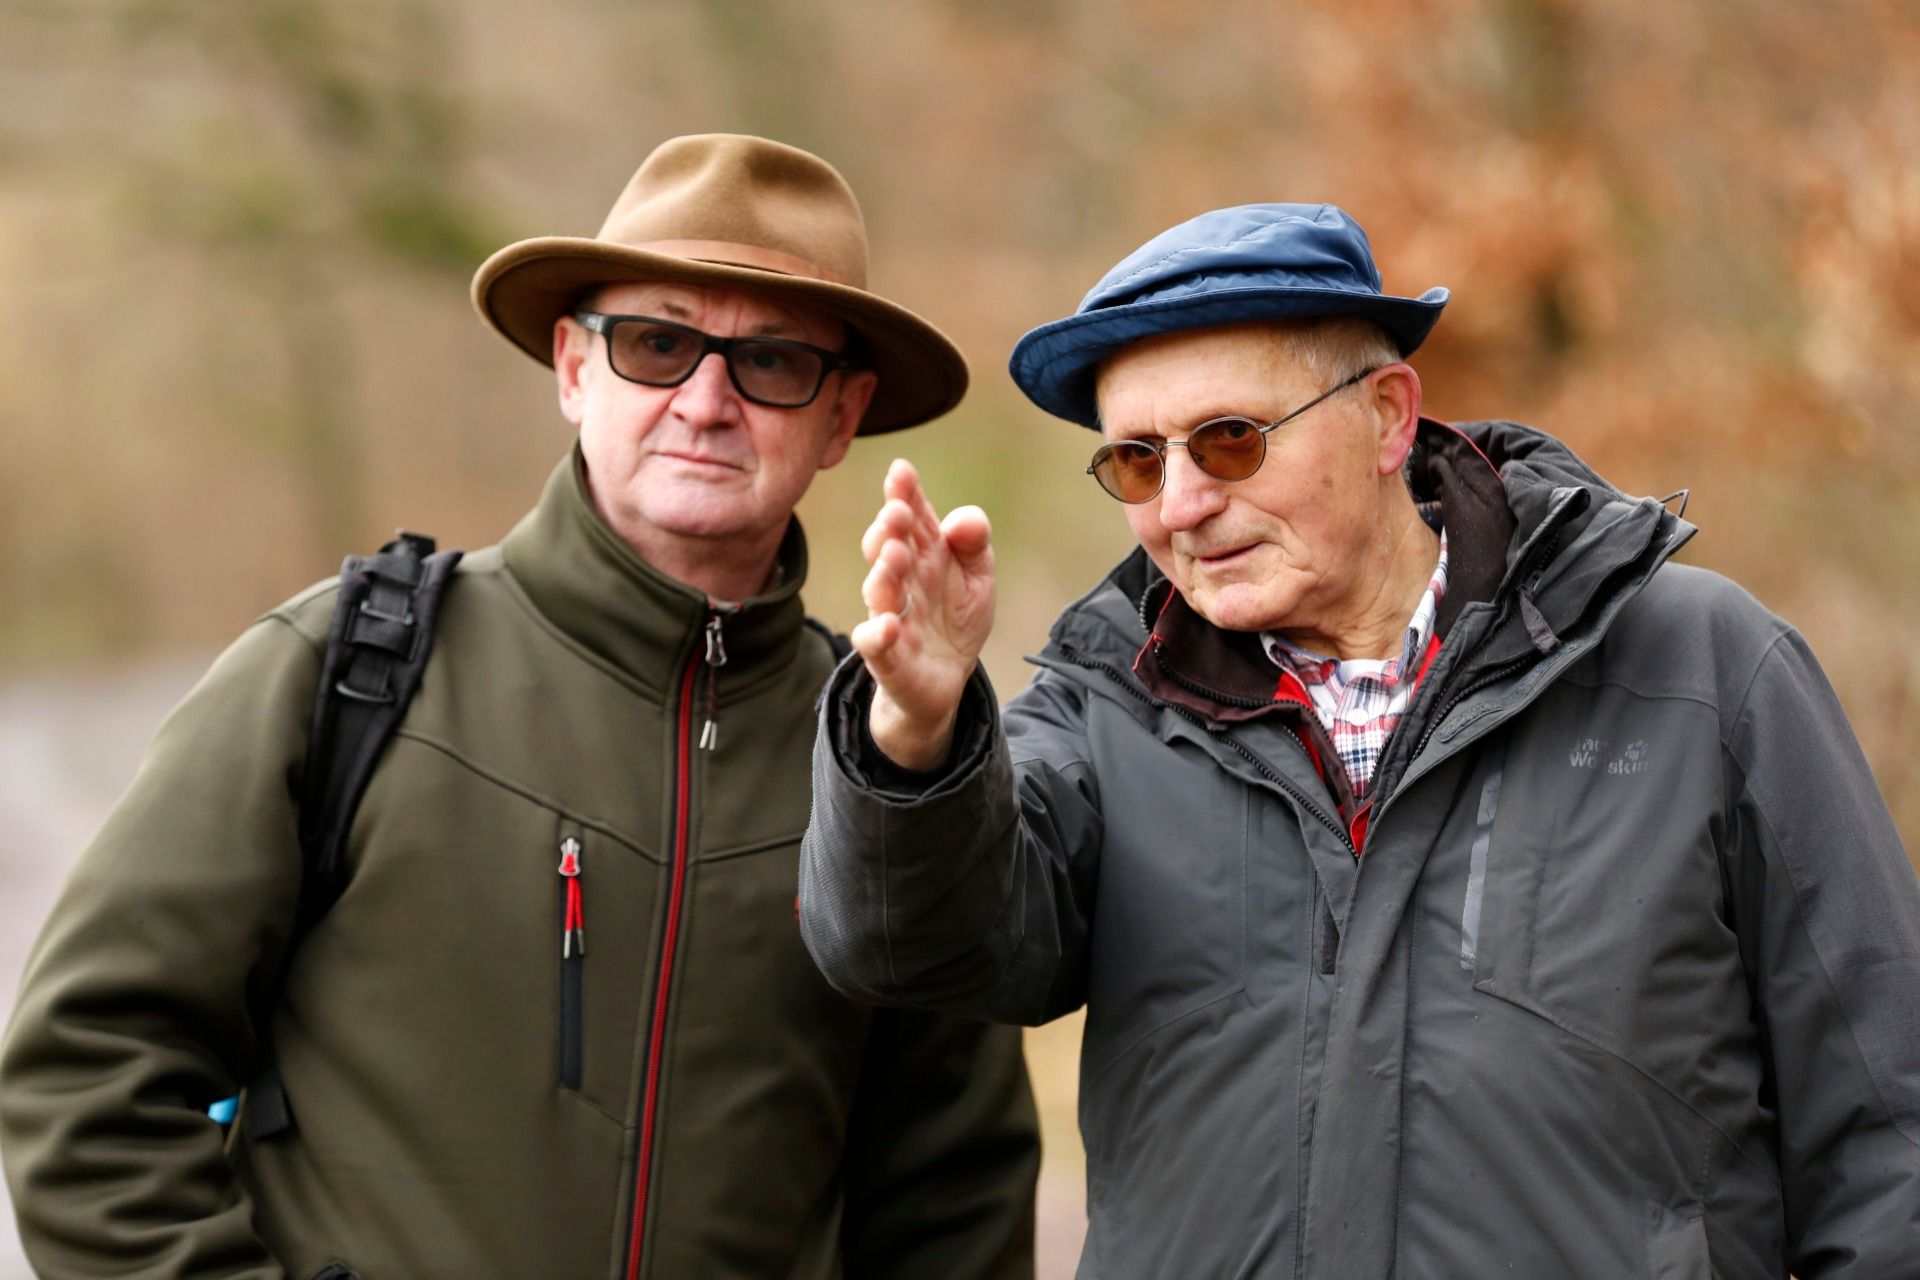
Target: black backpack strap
{"points": [[377, 649]]}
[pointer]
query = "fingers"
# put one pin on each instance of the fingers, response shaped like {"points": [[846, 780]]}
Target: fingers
{"points": [[913, 553], [875, 537], [873, 640], [903, 483], [906, 514], [895, 520], [877, 641], [884, 590]]}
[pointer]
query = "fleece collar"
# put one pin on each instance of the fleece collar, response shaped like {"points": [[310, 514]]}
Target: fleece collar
{"points": [[591, 585]]}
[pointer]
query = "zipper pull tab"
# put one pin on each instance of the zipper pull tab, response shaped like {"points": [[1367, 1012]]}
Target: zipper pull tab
{"points": [[573, 933], [716, 659]]}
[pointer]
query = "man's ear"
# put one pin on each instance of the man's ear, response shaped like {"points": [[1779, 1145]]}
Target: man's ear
{"points": [[849, 407], [572, 344], [1394, 396]]}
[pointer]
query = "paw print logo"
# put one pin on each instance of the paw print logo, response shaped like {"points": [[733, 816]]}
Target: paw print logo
{"points": [[1631, 760]]}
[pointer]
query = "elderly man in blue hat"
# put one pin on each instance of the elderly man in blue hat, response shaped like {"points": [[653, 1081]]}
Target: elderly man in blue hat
{"points": [[1455, 886]]}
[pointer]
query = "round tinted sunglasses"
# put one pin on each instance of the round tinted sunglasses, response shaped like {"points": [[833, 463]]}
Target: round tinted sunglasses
{"points": [[1228, 448], [659, 353]]}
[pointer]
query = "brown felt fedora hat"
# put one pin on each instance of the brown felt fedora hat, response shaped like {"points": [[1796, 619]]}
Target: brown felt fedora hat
{"points": [[726, 209]]}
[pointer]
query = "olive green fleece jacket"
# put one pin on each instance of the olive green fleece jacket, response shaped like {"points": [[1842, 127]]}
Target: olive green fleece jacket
{"points": [[468, 1101]]}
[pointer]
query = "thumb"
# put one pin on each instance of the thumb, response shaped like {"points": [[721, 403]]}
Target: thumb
{"points": [[969, 535]]}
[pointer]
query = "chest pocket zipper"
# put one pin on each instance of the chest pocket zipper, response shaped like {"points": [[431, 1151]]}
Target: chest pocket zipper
{"points": [[1477, 859], [573, 955]]}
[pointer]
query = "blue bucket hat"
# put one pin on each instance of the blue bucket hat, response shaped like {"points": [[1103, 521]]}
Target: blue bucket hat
{"points": [[1251, 262]]}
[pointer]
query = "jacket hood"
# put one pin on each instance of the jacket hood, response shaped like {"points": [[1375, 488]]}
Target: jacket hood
{"points": [[1580, 548]]}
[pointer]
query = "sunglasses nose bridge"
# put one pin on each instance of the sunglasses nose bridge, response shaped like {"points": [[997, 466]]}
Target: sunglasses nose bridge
{"points": [[1196, 456], [709, 391], [1191, 466], [1189, 493], [691, 371], [714, 361]]}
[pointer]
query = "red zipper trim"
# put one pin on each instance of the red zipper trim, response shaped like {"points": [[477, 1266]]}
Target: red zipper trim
{"points": [[1357, 829], [1289, 689], [683, 792]]}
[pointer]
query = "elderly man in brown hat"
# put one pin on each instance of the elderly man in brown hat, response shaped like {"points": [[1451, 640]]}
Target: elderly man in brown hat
{"points": [[440, 1077]]}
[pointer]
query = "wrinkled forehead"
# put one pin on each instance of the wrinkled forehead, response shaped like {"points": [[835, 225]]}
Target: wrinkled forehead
{"points": [[1168, 383], [720, 310]]}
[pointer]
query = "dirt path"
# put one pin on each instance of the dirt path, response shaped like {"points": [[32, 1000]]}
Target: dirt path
{"points": [[68, 747]]}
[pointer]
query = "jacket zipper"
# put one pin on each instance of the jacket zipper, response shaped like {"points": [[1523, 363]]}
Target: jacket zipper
{"points": [[715, 657], [1493, 675], [1355, 831], [1305, 801], [1540, 555], [573, 955], [1250, 704]]}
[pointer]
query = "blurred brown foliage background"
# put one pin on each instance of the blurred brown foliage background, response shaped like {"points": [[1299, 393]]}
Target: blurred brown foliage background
{"points": [[236, 234]]}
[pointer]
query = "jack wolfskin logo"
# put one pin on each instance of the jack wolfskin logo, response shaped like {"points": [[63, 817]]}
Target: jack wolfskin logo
{"points": [[1632, 760], [1587, 752]]}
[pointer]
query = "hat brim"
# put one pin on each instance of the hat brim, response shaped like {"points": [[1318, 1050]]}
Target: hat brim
{"points": [[521, 290], [1056, 364]]}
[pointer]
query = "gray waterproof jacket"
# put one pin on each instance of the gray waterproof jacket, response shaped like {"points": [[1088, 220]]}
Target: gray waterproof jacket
{"points": [[1627, 981]]}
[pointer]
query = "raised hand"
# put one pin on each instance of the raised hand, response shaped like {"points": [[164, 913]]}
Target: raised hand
{"points": [[929, 598]]}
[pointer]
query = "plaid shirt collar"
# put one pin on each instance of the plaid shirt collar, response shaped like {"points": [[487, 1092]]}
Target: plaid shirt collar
{"points": [[1315, 668], [1360, 702]]}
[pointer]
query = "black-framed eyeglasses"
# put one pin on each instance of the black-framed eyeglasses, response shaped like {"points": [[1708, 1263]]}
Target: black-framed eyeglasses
{"points": [[1227, 448], [659, 353]]}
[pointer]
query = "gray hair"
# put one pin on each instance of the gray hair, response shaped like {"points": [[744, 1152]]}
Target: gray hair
{"points": [[1333, 348]]}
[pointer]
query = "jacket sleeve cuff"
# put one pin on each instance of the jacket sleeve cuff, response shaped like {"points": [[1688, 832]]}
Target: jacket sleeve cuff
{"points": [[849, 699]]}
